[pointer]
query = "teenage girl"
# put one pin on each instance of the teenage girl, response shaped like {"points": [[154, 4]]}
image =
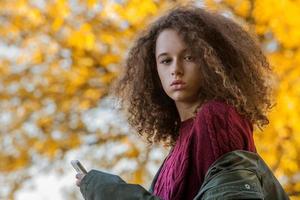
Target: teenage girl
{"points": [[198, 82]]}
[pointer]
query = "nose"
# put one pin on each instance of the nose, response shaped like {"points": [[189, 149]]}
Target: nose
{"points": [[177, 68]]}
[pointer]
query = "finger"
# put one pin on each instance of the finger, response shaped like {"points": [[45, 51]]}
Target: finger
{"points": [[78, 176]]}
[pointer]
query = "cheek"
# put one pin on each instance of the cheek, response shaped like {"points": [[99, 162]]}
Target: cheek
{"points": [[163, 79], [194, 76], [196, 72], [160, 76]]}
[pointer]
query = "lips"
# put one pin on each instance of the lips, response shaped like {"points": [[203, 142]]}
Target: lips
{"points": [[177, 82], [178, 86]]}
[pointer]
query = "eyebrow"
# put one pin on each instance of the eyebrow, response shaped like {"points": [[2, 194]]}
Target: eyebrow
{"points": [[165, 53]]}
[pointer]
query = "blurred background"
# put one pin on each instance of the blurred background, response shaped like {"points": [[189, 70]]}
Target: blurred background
{"points": [[57, 61]]}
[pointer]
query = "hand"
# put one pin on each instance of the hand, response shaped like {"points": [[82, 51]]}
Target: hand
{"points": [[79, 177]]}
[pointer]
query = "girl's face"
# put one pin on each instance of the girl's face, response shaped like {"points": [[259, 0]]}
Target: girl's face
{"points": [[175, 61]]}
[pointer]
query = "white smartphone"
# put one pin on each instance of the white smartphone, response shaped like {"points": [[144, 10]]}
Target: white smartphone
{"points": [[78, 167]]}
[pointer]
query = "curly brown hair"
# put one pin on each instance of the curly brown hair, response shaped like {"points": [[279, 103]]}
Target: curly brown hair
{"points": [[233, 66]]}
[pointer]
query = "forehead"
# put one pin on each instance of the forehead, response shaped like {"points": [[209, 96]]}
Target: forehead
{"points": [[169, 41]]}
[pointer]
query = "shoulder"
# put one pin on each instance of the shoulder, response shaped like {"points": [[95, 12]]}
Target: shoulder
{"points": [[221, 114], [219, 124], [215, 108]]}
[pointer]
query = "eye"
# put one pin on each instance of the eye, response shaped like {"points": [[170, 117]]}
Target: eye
{"points": [[165, 61], [189, 58]]}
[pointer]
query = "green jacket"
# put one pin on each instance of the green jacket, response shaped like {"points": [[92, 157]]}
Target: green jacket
{"points": [[235, 175]]}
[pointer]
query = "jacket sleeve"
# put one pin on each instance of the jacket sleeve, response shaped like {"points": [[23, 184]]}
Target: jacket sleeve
{"points": [[241, 175], [97, 185]]}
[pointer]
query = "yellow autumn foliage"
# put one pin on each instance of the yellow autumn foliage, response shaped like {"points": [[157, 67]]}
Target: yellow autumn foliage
{"points": [[59, 60]]}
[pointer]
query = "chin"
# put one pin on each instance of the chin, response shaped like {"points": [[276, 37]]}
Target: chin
{"points": [[179, 98], [183, 98]]}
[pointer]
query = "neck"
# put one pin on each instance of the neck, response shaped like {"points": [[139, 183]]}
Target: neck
{"points": [[186, 110]]}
